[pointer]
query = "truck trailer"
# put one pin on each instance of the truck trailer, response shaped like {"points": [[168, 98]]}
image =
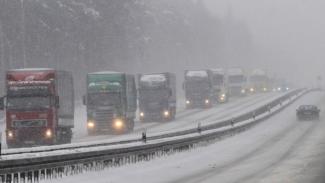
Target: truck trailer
{"points": [[111, 102], [157, 96], [39, 107]]}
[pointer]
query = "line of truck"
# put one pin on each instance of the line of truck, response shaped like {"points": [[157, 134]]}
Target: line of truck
{"points": [[39, 102]]}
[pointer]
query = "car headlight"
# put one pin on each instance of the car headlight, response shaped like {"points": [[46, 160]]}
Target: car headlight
{"points": [[279, 89], [264, 89], [188, 102], [223, 95], [252, 89], [243, 91], [90, 124], [48, 133], [118, 124]]}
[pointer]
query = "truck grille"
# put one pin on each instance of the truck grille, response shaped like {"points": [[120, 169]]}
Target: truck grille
{"points": [[104, 118]]}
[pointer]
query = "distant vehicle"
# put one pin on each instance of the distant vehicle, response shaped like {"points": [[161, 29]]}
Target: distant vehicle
{"points": [[237, 82], [308, 112], [111, 102], [219, 85], [259, 81], [198, 89], [39, 107], [157, 96]]}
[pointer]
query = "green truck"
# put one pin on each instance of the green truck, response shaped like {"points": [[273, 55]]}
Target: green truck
{"points": [[111, 102]]}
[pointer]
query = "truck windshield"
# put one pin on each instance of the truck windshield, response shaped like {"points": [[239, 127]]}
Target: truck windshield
{"points": [[104, 99], [151, 95], [28, 103], [198, 85], [236, 79], [218, 79]]}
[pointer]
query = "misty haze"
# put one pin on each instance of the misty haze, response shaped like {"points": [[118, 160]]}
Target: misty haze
{"points": [[192, 91]]}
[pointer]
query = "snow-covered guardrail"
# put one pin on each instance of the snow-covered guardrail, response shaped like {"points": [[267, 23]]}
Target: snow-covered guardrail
{"points": [[57, 162]]}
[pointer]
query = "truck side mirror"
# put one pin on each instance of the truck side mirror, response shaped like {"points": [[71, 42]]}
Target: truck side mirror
{"points": [[57, 101], [2, 103], [84, 100]]}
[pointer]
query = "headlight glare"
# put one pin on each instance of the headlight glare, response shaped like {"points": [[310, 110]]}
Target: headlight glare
{"points": [[118, 123], [48, 133]]}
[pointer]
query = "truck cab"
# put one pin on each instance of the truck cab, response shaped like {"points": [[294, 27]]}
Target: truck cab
{"points": [[34, 107], [259, 82], [220, 85], [111, 102], [157, 96], [198, 89], [237, 82]]}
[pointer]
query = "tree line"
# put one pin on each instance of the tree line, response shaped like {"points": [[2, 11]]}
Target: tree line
{"points": [[125, 35]]}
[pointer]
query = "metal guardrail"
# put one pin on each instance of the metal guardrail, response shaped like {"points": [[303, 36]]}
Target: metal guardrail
{"points": [[33, 169]]}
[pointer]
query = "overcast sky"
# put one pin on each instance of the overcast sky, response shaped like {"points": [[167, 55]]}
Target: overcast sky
{"points": [[289, 34]]}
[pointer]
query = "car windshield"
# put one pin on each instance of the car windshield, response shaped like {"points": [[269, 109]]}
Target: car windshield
{"points": [[28, 103]]}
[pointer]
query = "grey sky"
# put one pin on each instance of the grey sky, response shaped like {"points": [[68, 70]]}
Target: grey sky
{"points": [[289, 34]]}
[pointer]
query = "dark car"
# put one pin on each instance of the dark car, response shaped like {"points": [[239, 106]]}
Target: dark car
{"points": [[308, 112]]}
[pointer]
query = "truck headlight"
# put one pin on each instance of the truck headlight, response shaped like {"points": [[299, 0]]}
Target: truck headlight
{"points": [[223, 95], [279, 89], [252, 89], [10, 134], [207, 101], [118, 123], [141, 114], [90, 124], [264, 89], [48, 133], [188, 102], [166, 113], [243, 91]]}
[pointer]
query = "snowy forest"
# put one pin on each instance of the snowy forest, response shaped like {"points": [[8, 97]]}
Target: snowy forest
{"points": [[123, 35]]}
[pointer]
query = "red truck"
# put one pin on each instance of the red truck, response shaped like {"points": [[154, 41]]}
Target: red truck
{"points": [[39, 107]]}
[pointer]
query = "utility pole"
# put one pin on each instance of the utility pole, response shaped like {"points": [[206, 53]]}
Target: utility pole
{"points": [[23, 32]]}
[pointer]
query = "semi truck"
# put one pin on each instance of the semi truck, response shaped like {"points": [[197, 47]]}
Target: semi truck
{"points": [[259, 81], [157, 96], [198, 88], [111, 102], [219, 85], [39, 105], [237, 81]]}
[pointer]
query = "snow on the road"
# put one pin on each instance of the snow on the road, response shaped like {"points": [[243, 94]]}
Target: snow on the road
{"points": [[274, 151], [231, 109]]}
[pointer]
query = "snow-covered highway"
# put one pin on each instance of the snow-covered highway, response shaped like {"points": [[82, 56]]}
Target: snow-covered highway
{"points": [[281, 149], [185, 118]]}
